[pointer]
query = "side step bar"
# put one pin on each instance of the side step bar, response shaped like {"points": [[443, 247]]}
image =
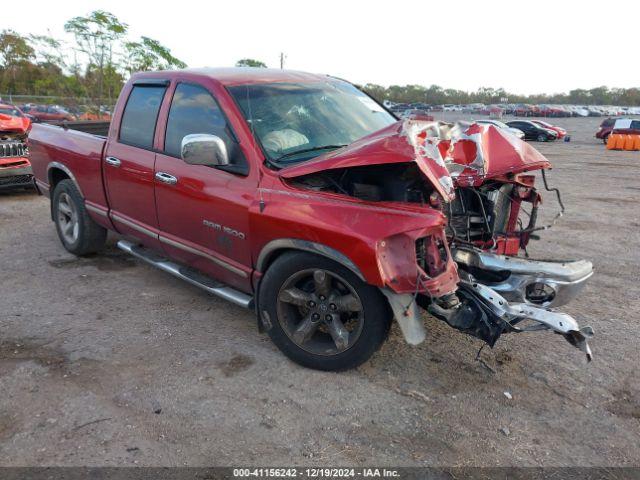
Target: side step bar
{"points": [[187, 274]]}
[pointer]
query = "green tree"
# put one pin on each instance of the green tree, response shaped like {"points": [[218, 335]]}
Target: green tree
{"points": [[250, 62], [15, 54], [149, 54], [376, 91], [97, 35]]}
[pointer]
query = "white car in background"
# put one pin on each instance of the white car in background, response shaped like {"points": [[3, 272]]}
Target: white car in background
{"points": [[497, 123]]}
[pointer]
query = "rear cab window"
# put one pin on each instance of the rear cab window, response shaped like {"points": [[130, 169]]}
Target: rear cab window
{"points": [[140, 115]]}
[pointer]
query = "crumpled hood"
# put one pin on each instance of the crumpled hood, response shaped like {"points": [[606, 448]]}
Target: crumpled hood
{"points": [[10, 123], [449, 155]]}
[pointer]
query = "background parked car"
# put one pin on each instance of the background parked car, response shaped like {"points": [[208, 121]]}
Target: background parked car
{"points": [[605, 129], [533, 131], [523, 110], [626, 126], [48, 112], [497, 123], [559, 130], [417, 114]]}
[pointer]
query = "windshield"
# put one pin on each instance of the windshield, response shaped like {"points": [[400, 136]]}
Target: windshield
{"points": [[295, 122], [13, 112]]}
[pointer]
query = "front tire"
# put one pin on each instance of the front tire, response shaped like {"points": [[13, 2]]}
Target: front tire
{"points": [[320, 314], [542, 138], [78, 233]]}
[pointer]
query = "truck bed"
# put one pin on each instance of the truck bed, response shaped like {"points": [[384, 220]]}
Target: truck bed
{"points": [[98, 128], [74, 149]]}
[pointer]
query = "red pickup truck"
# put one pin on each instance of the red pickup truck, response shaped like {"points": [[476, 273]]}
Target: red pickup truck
{"points": [[301, 197]]}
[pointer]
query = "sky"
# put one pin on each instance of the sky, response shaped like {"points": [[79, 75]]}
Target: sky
{"points": [[541, 46]]}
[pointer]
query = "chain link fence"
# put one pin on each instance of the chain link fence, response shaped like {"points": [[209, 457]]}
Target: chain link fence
{"points": [[81, 108]]}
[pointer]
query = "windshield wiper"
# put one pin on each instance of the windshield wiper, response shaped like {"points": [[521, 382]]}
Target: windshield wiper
{"points": [[307, 150]]}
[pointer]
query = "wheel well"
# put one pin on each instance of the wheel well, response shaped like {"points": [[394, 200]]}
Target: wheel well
{"points": [[274, 255], [56, 175]]}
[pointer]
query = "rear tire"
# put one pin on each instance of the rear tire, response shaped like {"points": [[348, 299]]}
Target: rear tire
{"points": [[335, 331], [78, 233]]}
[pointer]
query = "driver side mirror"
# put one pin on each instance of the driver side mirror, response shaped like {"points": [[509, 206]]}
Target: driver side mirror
{"points": [[204, 149]]}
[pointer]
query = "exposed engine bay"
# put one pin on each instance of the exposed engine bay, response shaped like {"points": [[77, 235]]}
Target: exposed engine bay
{"points": [[400, 182], [483, 180]]}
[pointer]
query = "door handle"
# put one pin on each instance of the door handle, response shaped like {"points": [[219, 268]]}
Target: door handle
{"points": [[113, 161], [166, 178]]}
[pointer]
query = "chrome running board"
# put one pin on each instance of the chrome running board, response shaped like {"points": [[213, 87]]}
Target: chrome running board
{"points": [[187, 274]]}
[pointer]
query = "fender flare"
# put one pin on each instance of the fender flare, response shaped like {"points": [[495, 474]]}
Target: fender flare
{"points": [[65, 169], [274, 246]]}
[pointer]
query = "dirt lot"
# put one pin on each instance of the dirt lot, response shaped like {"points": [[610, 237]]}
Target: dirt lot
{"points": [[106, 361]]}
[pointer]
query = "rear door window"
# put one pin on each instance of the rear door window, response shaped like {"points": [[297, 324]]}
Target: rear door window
{"points": [[193, 110], [140, 115]]}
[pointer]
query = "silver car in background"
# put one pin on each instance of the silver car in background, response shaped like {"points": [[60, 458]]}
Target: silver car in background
{"points": [[497, 123]]}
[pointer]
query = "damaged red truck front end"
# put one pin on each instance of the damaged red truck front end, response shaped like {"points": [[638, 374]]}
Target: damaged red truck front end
{"points": [[472, 181], [15, 169]]}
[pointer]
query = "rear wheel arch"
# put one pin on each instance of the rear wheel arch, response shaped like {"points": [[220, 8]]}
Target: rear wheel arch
{"points": [[57, 172], [56, 175]]}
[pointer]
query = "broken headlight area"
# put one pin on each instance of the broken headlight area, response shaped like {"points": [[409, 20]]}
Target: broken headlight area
{"points": [[417, 262]]}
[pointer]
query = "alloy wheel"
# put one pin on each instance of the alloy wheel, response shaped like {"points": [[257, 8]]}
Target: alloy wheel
{"points": [[320, 312], [68, 219]]}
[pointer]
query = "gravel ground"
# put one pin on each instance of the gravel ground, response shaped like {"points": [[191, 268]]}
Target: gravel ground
{"points": [[106, 361]]}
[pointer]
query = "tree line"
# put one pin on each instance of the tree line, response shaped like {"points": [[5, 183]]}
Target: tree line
{"points": [[102, 56], [436, 95]]}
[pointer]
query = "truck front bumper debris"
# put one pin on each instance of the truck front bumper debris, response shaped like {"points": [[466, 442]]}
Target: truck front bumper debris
{"points": [[541, 283], [484, 313]]}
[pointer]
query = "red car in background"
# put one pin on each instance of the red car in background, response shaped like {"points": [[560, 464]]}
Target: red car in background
{"points": [[559, 130], [606, 127], [15, 169], [523, 110], [553, 111], [43, 113]]}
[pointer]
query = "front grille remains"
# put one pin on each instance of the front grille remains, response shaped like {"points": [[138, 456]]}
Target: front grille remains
{"points": [[13, 149], [17, 180]]}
